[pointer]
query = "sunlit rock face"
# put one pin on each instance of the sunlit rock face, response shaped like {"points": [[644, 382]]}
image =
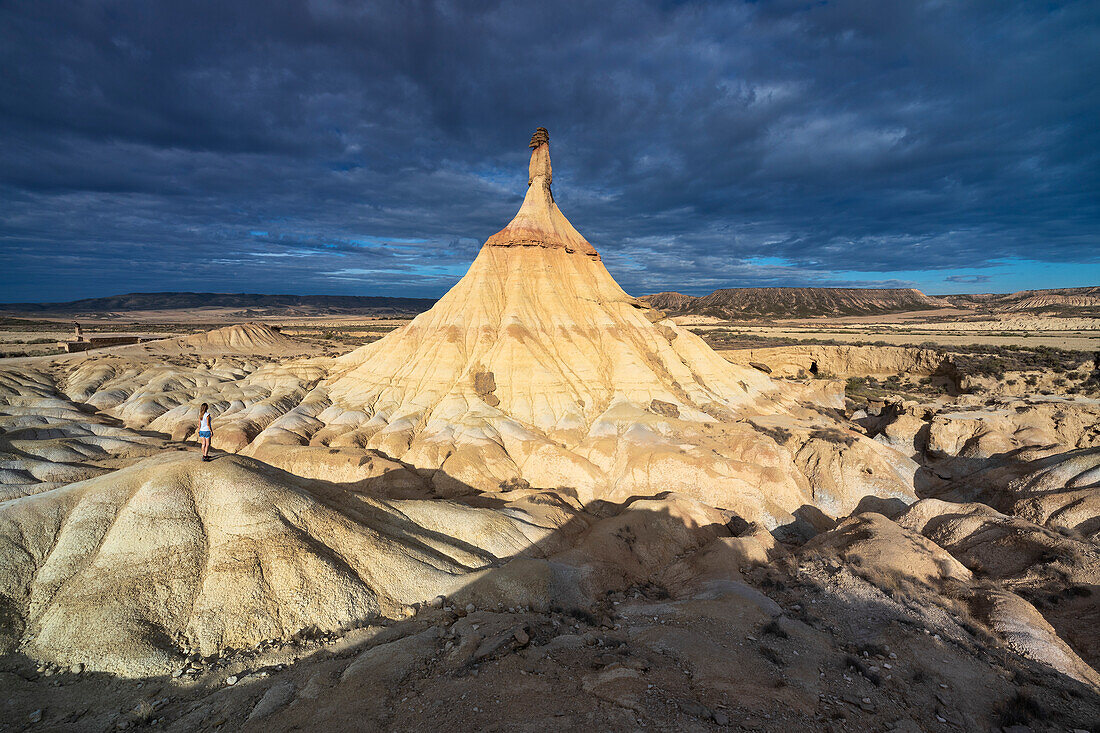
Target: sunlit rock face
{"points": [[538, 366], [124, 571]]}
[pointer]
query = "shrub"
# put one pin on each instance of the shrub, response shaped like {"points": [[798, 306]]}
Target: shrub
{"points": [[1021, 709], [772, 656], [774, 629]]}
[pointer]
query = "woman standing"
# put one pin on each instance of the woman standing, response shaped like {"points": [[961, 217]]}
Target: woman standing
{"points": [[205, 431]]}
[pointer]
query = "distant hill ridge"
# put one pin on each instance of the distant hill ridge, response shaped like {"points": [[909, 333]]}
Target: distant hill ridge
{"points": [[1053, 299], [727, 303], [731, 303], [288, 304]]}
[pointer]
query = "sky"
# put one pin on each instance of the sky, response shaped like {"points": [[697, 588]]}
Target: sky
{"points": [[369, 148]]}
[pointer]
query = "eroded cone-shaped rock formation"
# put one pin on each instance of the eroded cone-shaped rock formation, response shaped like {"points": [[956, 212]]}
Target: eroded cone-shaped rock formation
{"points": [[538, 366]]}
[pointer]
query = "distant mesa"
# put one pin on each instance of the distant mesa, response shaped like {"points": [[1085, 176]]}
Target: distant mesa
{"points": [[733, 303], [1087, 298], [268, 305], [550, 228]]}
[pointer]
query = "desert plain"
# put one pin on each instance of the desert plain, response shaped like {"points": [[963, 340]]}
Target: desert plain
{"points": [[542, 503]]}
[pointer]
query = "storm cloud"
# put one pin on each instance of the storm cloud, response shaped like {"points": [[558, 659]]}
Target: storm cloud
{"points": [[369, 148]]}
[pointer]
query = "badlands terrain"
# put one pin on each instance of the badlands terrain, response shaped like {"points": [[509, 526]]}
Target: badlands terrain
{"points": [[546, 504]]}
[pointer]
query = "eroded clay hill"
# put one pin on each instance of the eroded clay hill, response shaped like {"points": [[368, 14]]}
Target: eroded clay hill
{"points": [[1054, 299], [538, 367]]}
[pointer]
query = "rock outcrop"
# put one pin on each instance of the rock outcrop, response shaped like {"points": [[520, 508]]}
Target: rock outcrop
{"points": [[841, 361]]}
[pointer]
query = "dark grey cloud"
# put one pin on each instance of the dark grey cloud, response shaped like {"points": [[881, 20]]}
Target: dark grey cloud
{"points": [[339, 147]]}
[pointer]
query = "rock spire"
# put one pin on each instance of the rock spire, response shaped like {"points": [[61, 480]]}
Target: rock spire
{"points": [[539, 222]]}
